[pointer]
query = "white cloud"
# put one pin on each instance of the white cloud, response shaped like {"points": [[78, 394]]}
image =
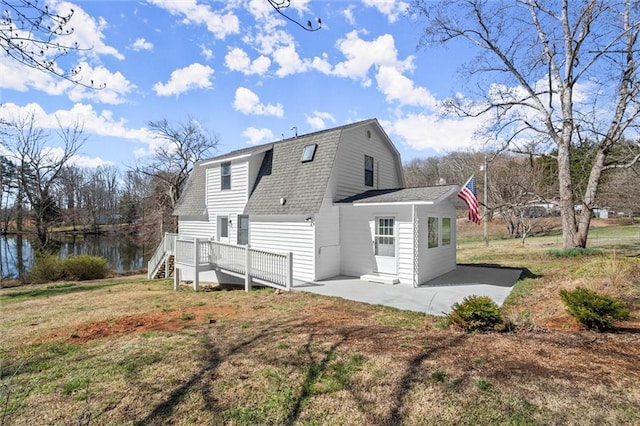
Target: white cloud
{"points": [[238, 60], [430, 131], [87, 32], [116, 86], [289, 61], [256, 136], [206, 52], [390, 8], [248, 102], [399, 88], [219, 23], [95, 122], [348, 15], [195, 76], [317, 120], [361, 55], [141, 44]]}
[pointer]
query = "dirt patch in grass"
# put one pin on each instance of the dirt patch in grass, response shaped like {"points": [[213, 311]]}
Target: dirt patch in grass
{"points": [[140, 323]]}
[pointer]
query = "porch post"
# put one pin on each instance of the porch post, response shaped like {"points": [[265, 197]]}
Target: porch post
{"points": [[247, 269], [176, 278], [196, 257], [289, 270]]}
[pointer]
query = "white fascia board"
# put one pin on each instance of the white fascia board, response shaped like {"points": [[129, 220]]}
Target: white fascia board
{"points": [[238, 157], [224, 160], [452, 191], [396, 203]]}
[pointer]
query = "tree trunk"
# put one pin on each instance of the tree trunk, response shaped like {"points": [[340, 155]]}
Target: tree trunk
{"points": [[567, 202]]}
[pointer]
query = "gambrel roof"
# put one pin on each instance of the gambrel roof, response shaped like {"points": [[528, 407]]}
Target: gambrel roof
{"points": [[282, 175], [194, 204]]}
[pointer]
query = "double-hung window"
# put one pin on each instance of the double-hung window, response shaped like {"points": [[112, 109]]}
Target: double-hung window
{"points": [[225, 175], [368, 170]]}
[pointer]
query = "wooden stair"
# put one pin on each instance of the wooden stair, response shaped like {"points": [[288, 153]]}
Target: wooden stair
{"points": [[161, 272]]}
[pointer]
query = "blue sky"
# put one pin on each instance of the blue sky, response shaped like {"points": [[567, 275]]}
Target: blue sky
{"points": [[245, 74]]}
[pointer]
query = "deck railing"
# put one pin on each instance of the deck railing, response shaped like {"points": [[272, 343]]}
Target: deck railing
{"points": [[166, 247], [254, 265]]}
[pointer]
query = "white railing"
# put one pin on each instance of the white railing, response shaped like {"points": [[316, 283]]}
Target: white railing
{"points": [[166, 247], [265, 267]]}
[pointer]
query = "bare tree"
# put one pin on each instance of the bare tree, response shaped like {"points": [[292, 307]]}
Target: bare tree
{"points": [[181, 146], [39, 166], [281, 7], [33, 35], [551, 73]]}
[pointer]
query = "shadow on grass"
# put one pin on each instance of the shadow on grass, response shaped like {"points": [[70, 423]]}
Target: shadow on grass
{"points": [[524, 272], [53, 290]]}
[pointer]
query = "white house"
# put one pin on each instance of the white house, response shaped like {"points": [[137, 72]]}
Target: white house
{"points": [[335, 200]]}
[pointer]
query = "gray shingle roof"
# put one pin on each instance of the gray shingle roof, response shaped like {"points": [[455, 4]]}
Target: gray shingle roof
{"points": [[283, 175], [192, 200], [428, 194]]}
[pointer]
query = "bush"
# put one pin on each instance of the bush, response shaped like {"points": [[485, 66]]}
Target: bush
{"points": [[594, 311], [84, 267], [476, 313], [47, 267]]}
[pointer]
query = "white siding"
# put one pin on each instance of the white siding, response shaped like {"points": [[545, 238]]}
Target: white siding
{"points": [[357, 250], [196, 228], [436, 261], [327, 247], [231, 200], [404, 229], [295, 237], [348, 170]]}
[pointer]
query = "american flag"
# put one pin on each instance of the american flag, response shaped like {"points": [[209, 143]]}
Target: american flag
{"points": [[468, 195]]}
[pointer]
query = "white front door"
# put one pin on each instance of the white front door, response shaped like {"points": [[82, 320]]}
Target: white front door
{"points": [[384, 240]]}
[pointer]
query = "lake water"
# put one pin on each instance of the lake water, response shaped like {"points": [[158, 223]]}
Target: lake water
{"points": [[122, 253]]}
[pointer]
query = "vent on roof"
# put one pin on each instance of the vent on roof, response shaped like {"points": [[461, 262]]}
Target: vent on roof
{"points": [[308, 153]]}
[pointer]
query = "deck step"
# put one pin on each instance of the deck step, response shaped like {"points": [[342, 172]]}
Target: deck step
{"points": [[380, 278]]}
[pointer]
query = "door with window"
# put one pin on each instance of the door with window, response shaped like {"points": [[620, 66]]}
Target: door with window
{"points": [[384, 240], [223, 229]]}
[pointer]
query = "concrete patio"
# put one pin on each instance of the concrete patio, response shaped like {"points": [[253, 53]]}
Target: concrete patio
{"points": [[434, 297]]}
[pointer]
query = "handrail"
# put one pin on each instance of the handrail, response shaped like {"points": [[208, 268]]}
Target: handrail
{"points": [[166, 246], [268, 267]]}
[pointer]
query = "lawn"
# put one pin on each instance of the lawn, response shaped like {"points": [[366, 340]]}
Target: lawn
{"points": [[131, 351]]}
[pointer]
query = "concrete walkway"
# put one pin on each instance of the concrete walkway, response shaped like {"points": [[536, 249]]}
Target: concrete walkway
{"points": [[434, 297]]}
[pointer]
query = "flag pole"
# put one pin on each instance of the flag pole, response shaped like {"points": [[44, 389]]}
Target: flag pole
{"points": [[484, 216]]}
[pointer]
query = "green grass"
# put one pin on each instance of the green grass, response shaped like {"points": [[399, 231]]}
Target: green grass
{"points": [[287, 359], [52, 291]]}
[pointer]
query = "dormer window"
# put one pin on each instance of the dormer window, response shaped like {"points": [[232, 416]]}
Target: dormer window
{"points": [[308, 153], [225, 175]]}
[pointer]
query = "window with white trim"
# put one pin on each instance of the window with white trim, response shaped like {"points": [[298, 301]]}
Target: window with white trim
{"points": [[225, 175], [446, 231], [432, 226], [368, 170], [223, 227]]}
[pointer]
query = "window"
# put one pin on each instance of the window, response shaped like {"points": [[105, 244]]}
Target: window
{"points": [[243, 230], [432, 224], [446, 231], [368, 170], [308, 152], [385, 242], [223, 227], [225, 175]]}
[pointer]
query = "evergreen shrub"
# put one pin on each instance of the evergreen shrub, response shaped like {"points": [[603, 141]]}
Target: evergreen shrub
{"points": [[476, 313], [594, 311]]}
